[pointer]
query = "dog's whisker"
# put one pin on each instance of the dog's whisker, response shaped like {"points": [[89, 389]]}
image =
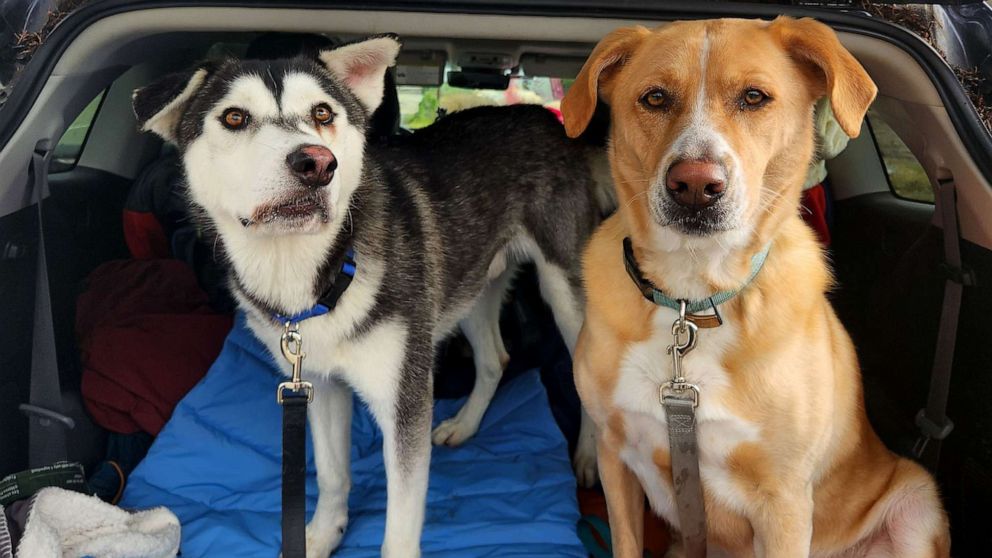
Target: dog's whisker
{"points": [[633, 198]]}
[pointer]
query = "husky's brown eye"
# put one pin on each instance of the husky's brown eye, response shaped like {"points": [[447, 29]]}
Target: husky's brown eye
{"points": [[753, 98], [322, 114], [656, 98], [234, 119]]}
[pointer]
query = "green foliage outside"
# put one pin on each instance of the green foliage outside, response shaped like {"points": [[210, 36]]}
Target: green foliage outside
{"points": [[906, 175]]}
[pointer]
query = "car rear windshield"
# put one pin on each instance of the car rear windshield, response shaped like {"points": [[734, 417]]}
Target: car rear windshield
{"points": [[421, 105]]}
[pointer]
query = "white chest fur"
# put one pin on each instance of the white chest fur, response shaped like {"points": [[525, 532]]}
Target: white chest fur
{"points": [[370, 362], [644, 368]]}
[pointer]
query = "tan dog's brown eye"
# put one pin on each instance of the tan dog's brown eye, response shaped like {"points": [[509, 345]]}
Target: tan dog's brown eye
{"points": [[753, 98], [234, 119], [322, 114], [656, 98]]}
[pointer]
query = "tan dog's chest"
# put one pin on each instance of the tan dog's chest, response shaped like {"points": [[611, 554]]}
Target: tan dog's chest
{"points": [[644, 367]]}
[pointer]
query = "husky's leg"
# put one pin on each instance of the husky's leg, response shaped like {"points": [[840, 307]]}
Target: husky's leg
{"points": [[330, 423], [404, 415], [564, 295], [481, 327]]}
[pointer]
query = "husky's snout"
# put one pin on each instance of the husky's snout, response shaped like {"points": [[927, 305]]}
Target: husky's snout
{"points": [[314, 165]]}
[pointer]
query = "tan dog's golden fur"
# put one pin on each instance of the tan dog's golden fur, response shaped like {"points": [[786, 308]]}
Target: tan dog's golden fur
{"points": [[790, 465]]}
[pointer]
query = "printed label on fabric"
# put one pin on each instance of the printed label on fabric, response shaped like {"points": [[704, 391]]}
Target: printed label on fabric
{"points": [[26, 483]]}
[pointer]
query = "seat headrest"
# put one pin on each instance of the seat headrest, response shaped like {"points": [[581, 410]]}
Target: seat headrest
{"points": [[385, 121]]}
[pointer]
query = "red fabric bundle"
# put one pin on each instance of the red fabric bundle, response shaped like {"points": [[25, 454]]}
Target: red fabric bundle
{"points": [[147, 336], [813, 208], [144, 235]]}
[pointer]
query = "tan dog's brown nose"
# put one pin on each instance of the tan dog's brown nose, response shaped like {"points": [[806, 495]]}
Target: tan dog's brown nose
{"points": [[314, 165], [695, 183]]}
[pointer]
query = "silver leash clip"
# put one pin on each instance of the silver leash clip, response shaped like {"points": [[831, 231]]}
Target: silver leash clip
{"points": [[292, 350], [683, 341]]}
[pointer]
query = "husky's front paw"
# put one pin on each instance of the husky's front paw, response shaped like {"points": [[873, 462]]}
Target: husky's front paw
{"points": [[325, 531], [584, 461], [408, 551], [454, 431]]}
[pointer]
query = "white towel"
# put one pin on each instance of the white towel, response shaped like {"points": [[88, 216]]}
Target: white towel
{"points": [[830, 138], [66, 524]]}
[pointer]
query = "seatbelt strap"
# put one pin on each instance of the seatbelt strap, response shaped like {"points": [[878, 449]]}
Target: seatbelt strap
{"points": [[294, 474], [932, 420], [47, 423]]}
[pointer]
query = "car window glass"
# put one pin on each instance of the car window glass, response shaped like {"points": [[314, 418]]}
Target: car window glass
{"points": [[421, 105], [907, 179], [70, 145]]}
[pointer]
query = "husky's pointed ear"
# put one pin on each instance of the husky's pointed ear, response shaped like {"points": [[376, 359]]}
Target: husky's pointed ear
{"points": [[596, 76], [362, 66], [159, 106], [839, 75]]}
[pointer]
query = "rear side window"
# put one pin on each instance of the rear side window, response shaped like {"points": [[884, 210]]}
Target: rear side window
{"points": [[907, 179], [70, 145]]}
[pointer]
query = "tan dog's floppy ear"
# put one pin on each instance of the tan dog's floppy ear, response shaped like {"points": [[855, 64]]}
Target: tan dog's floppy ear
{"points": [[580, 102], [848, 85]]}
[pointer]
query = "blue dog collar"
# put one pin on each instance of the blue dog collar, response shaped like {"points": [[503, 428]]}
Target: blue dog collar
{"points": [[656, 296], [329, 299]]}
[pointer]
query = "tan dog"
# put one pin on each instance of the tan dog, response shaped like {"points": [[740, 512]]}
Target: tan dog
{"points": [[712, 135]]}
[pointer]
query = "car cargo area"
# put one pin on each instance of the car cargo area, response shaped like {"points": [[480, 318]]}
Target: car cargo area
{"points": [[141, 306]]}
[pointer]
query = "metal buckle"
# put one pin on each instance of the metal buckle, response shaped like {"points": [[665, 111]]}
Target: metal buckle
{"points": [[291, 344], [295, 387], [929, 430], [963, 275], [684, 334], [677, 389], [706, 320]]}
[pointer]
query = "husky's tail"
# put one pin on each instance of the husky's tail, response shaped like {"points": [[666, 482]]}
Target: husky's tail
{"points": [[602, 179]]}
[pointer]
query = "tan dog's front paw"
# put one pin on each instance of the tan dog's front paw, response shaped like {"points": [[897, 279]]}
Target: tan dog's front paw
{"points": [[584, 461]]}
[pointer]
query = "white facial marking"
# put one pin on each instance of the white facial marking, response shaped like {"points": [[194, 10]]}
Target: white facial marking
{"points": [[695, 141], [233, 172], [701, 139], [301, 93], [236, 173]]}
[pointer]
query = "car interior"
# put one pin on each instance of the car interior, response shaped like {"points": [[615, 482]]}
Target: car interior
{"points": [[886, 247]]}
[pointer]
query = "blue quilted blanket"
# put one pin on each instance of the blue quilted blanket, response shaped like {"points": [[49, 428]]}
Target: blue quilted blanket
{"points": [[509, 491]]}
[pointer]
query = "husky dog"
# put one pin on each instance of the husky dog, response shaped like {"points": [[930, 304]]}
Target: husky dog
{"points": [[277, 166]]}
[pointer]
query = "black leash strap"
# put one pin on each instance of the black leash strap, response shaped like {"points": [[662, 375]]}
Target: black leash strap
{"points": [[294, 474], [294, 396]]}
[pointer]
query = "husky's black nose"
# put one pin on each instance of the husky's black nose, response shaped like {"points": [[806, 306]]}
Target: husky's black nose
{"points": [[313, 164]]}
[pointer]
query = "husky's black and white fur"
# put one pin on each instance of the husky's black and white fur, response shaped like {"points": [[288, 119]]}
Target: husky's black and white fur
{"points": [[277, 165]]}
